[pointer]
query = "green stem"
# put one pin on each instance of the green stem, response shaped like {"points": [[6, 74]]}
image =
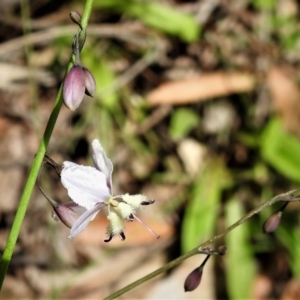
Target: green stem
{"points": [[286, 198], [37, 162], [161, 270]]}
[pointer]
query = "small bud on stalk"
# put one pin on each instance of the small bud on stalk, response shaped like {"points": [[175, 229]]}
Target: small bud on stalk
{"points": [[79, 80], [272, 222], [194, 278], [63, 212], [76, 17], [74, 87]]}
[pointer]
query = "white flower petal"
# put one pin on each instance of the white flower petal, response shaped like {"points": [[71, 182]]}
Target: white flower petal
{"points": [[84, 220], [86, 186], [102, 162]]}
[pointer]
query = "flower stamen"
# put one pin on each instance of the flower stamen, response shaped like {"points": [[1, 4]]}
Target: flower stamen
{"points": [[146, 226], [148, 202]]}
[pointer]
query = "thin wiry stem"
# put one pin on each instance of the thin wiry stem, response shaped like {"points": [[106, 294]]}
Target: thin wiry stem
{"points": [[287, 197], [36, 164]]}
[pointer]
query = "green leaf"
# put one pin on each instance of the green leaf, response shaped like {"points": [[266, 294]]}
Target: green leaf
{"points": [[265, 4], [182, 121], [281, 150], [202, 211], [240, 263], [156, 15], [289, 237]]}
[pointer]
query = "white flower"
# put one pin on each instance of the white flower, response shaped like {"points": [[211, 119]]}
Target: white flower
{"points": [[91, 188]]}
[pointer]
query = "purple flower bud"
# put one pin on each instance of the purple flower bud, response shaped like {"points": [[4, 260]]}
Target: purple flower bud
{"points": [[74, 87], [272, 222], [90, 83], [194, 278], [67, 215]]}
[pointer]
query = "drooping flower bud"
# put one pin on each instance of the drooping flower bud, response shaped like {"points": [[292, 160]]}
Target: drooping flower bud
{"points": [[79, 80], [90, 83], [194, 278], [74, 87], [272, 222], [67, 215], [76, 17]]}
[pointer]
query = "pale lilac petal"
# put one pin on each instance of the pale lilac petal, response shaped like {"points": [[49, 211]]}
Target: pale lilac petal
{"points": [[86, 185], [78, 209], [84, 220], [102, 162]]}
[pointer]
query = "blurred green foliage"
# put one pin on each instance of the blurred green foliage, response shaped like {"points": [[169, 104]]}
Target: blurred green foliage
{"points": [[157, 15], [182, 121], [200, 218], [264, 4], [281, 149], [240, 261], [288, 235]]}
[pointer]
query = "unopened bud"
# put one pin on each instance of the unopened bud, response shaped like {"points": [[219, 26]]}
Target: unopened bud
{"points": [[90, 83], [67, 215], [222, 250], [272, 222], [194, 278], [79, 81], [74, 87], [76, 17]]}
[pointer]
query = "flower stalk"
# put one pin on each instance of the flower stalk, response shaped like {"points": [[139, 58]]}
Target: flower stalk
{"points": [[36, 164]]}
